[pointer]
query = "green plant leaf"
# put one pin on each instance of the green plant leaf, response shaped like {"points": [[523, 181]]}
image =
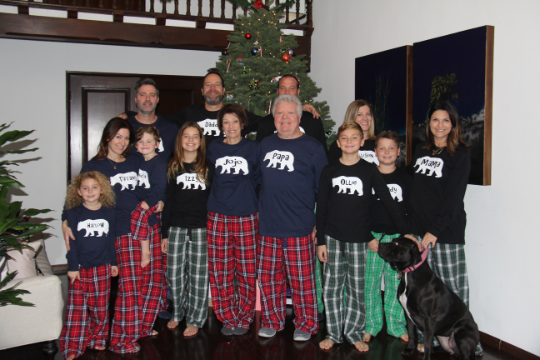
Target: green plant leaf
{"points": [[34, 212], [14, 135], [10, 296]]}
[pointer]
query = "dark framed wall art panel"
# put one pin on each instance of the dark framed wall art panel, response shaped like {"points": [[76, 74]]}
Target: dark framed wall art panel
{"points": [[459, 68]]}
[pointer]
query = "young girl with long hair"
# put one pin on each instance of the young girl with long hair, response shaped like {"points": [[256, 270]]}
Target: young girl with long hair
{"points": [[139, 289], [184, 228], [92, 261]]}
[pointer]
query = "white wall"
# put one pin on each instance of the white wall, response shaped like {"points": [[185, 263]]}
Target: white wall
{"points": [[502, 244], [33, 95]]}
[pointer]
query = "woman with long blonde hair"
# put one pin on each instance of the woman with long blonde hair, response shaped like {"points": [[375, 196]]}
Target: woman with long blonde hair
{"points": [[360, 112]]}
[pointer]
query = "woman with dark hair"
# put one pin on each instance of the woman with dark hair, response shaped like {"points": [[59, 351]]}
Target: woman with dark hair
{"points": [[440, 169], [232, 222], [360, 112], [139, 289]]}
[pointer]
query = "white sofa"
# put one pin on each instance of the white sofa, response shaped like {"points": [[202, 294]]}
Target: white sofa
{"points": [[22, 325]]}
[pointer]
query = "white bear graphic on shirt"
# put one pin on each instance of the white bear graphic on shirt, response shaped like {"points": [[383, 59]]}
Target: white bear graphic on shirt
{"points": [[190, 179], [285, 159], [429, 166], [236, 163], [210, 127], [348, 185], [101, 226], [369, 156], [125, 179], [395, 190]]}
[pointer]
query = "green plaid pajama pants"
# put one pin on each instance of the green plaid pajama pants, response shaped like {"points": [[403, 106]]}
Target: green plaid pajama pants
{"points": [[187, 274], [345, 269], [376, 268]]}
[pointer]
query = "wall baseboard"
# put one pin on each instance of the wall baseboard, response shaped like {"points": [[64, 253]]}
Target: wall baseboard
{"points": [[506, 348], [60, 269]]}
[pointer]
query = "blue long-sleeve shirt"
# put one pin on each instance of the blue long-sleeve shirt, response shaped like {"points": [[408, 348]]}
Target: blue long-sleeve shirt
{"points": [[94, 232]]}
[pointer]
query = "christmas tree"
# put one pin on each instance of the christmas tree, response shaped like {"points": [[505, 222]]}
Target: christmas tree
{"points": [[258, 55]]}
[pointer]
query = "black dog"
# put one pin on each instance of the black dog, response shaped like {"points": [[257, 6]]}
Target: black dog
{"points": [[429, 303]]}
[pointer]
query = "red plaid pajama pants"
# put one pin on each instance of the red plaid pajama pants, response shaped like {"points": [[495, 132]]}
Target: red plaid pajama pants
{"points": [[294, 257], [232, 242], [87, 312], [139, 290]]}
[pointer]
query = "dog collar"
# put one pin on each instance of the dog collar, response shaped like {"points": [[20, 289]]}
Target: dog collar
{"points": [[424, 257]]}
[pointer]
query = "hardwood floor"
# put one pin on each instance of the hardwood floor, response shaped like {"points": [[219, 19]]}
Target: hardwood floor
{"points": [[209, 343]]}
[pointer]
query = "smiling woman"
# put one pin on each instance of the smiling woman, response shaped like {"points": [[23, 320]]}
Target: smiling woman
{"points": [[232, 222], [360, 112], [440, 169]]}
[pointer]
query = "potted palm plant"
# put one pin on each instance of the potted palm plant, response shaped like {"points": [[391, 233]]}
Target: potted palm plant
{"points": [[15, 231]]}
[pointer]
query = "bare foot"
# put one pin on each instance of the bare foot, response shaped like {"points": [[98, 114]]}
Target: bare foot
{"points": [[71, 357], [326, 344], [367, 337], [145, 259], [99, 348], [154, 333], [191, 331], [404, 337], [420, 348], [361, 346], [172, 324]]}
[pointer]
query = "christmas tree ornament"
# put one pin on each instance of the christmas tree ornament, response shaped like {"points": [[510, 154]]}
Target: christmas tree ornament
{"points": [[229, 97], [254, 51], [248, 36], [286, 57], [244, 71], [259, 4], [254, 84], [275, 79], [225, 52], [291, 52]]}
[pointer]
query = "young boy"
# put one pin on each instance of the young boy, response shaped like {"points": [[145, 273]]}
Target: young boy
{"points": [[343, 234], [151, 189], [383, 229]]}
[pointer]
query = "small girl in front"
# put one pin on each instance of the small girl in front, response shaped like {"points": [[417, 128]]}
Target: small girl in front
{"points": [[343, 234], [90, 205], [184, 228]]}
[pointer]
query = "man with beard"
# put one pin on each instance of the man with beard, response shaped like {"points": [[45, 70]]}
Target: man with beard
{"points": [[213, 91], [146, 100]]}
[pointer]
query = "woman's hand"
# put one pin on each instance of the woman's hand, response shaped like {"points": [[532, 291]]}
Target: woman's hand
{"points": [[429, 239], [322, 254], [73, 275], [411, 237], [374, 245], [311, 109], [159, 206], [164, 245], [67, 233]]}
